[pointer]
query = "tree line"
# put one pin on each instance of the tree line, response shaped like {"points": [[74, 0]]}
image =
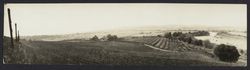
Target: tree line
{"points": [[108, 37], [190, 38]]}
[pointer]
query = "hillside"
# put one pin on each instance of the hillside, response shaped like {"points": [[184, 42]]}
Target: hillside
{"points": [[104, 52]]}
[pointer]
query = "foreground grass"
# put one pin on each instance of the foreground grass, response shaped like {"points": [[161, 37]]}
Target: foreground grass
{"points": [[108, 53]]}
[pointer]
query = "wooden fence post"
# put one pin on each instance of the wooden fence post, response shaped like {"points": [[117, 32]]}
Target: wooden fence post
{"points": [[18, 37], [16, 31], [10, 26]]}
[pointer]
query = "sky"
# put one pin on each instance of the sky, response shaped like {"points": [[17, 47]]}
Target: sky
{"points": [[61, 18]]}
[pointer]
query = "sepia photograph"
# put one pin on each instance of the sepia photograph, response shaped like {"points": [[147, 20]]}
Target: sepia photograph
{"points": [[154, 34]]}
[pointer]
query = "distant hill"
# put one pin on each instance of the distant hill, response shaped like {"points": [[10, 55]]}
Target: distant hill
{"points": [[133, 31]]}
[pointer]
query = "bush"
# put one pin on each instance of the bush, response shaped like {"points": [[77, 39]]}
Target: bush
{"points": [[227, 53], [159, 36], [208, 44], [242, 51]]}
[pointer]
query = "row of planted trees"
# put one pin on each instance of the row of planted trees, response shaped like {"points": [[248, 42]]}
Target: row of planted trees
{"points": [[17, 38], [225, 52], [189, 38]]}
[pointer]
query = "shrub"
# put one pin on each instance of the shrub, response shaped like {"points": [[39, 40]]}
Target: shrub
{"points": [[242, 51], [159, 36], [227, 53], [208, 44]]}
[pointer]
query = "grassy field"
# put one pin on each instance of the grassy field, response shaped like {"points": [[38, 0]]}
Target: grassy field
{"points": [[102, 52]]}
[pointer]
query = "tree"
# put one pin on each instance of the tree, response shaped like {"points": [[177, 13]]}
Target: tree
{"points": [[227, 53], [115, 37], [168, 35], [112, 37], [95, 38]]}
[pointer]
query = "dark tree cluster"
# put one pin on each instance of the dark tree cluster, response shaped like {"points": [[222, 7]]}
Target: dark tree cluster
{"points": [[227, 53], [200, 33], [177, 34], [112, 37]]}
